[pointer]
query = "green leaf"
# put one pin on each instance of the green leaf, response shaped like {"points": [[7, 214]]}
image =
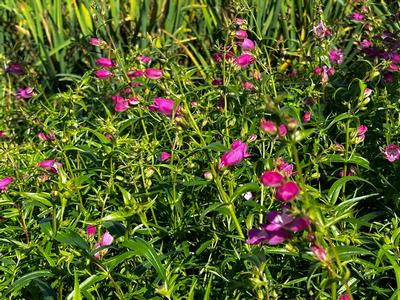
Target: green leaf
{"points": [[335, 189], [77, 292], [346, 251], [216, 147], [85, 285], [26, 279], [252, 186], [143, 248], [72, 239]]}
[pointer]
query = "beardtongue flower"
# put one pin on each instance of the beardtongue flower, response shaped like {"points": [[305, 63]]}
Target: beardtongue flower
{"points": [[95, 41], [106, 239], [365, 43], [241, 34], [50, 165], [248, 44], [121, 106], [336, 56], [102, 73], [319, 252], [321, 31], [105, 62], [24, 93], [5, 182], [165, 106], [306, 117], [165, 156], [248, 86], [144, 59], [239, 21], [282, 130], [271, 178], [135, 73], [91, 230], [235, 155], [287, 191], [268, 127], [357, 16], [15, 68], [153, 73], [243, 60], [2, 134], [345, 297], [279, 228], [45, 137], [392, 152]]}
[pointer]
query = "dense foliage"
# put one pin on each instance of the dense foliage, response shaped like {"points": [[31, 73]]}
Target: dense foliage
{"points": [[219, 153]]}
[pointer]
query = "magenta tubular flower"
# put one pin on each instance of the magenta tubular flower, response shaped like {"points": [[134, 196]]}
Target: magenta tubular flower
{"points": [[95, 41], [106, 239], [271, 178], [336, 56], [121, 106], [208, 175], [42, 136], [165, 106], [15, 68], [248, 44], [306, 117], [25, 93], [268, 127], [105, 62], [91, 230], [50, 165], [361, 130], [5, 182], [144, 59], [3, 135], [282, 130], [279, 228], [165, 156], [392, 152], [287, 191], [241, 34], [345, 297], [244, 60], [356, 16], [135, 73], [248, 86], [252, 137], [285, 168], [321, 31], [365, 44], [103, 73], [317, 70], [153, 73], [235, 155], [216, 82], [133, 100], [239, 21], [319, 252]]}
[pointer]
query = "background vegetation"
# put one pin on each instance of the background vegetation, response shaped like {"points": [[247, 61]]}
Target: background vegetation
{"points": [[180, 225]]}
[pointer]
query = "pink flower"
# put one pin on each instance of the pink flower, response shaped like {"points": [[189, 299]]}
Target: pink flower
{"points": [[271, 178], [279, 228], [121, 106], [106, 239], [257, 75], [25, 93], [365, 44], [50, 165], [91, 230], [216, 82], [282, 130], [208, 175], [252, 137], [144, 59], [344, 297], [392, 152], [367, 92], [306, 117], [336, 56], [235, 155], [165, 106], [361, 130], [5, 182], [95, 41], [15, 68], [287, 192], [102, 73], [135, 73], [153, 73], [133, 100], [244, 60], [248, 86], [317, 70], [248, 44], [46, 137], [319, 252], [3, 135], [241, 34], [321, 31], [285, 167], [268, 127], [357, 16], [165, 156], [239, 22], [105, 62]]}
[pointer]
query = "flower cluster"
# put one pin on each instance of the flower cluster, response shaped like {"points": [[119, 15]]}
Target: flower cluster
{"points": [[392, 152]]}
